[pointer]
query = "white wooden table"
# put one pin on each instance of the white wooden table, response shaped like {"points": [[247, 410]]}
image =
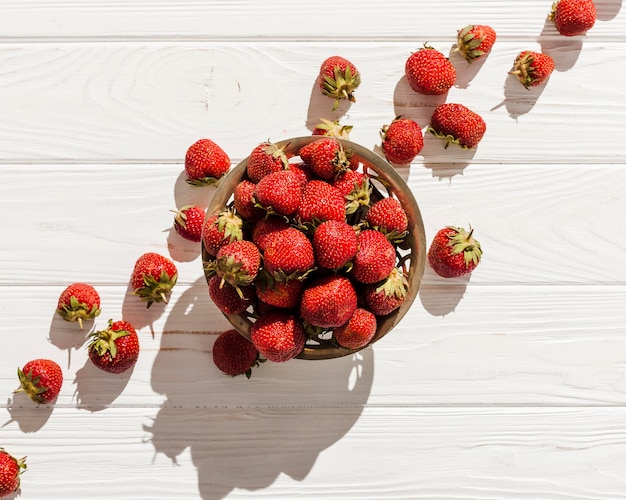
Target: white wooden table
{"points": [[509, 385]]}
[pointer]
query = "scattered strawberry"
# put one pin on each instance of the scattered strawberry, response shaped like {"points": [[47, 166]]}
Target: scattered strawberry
{"points": [[233, 354], [339, 78], [79, 302], [227, 298], [475, 41], [220, 229], [375, 258], [454, 252], [205, 163], [288, 254], [10, 470], [236, 263], [457, 124], [383, 299], [532, 68], [279, 192], [264, 159], [387, 216], [334, 244], [188, 222], [328, 301], [278, 335], [41, 380], [244, 202], [358, 331], [114, 349], [321, 201], [332, 129], [402, 140], [326, 157], [429, 72], [573, 17], [153, 278]]}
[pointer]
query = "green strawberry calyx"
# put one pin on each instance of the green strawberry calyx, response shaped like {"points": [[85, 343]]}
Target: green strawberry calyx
{"points": [[462, 241], [31, 386], [156, 290], [395, 285], [103, 341], [78, 311]]}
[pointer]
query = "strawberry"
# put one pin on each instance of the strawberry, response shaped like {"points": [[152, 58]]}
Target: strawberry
{"points": [[387, 216], [358, 331], [220, 229], [188, 222], [355, 188], [205, 163], [153, 278], [227, 298], [573, 17], [265, 228], [454, 252], [326, 157], [288, 254], [10, 470], [302, 170], [402, 140], [332, 129], [278, 335], [334, 244], [338, 78], [41, 380], [278, 293], [279, 192], [114, 349], [386, 297], [233, 354], [532, 68], [328, 301], [475, 41], [429, 72], [264, 159], [236, 263], [321, 201], [455, 123], [243, 201], [79, 302], [375, 257]]}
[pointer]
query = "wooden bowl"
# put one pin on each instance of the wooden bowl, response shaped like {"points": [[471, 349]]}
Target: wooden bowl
{"points": [[412, 254]]}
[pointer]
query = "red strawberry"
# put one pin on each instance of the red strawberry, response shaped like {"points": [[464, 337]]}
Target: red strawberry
{"points": [[265, 228], [321, 201], [475, 41], [402, 140], [243, 201], [332, 129], [383, 299], [227, 298], [233, 354], [188, 222], [375, 258], [153, 278], [278, 293], [532, 68], [114, 349], [454, 252], [264, 159], [10, 470], [236, 263], [339, 78], [355, 188], [358, 331], [573, 17], [387, 216], [334, 244], [328, 301], [278, 335], [220, 229], [455, 123], [429, 72], [41, 380], [288, 254], [326, 157], [279, 192], [205, 163], [79, 302]]}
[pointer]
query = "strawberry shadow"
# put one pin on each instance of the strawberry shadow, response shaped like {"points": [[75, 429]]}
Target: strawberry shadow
{"points": [[519, 100], [29, 416], [440, 296], [68, 336], [465, 72], [450, 161], [136, 312], [565, 50], [288, 413], [607, 9], [321, 106], [96, 389], [413, 105]]}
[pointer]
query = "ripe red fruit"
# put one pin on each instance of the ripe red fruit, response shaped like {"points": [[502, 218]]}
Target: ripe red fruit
{"points": [[358, 331], [278, 335], [334, 244], [10, 470], [384, 298], [220, 229], [153, 278], [264, 159], [429, 72], [355, 188], [244, 202], [573, 17], [227, 298], [79, 302], [454, 252], [332, 129], [279, 192], [387, 216], [236, 263], [326, 157], [338, 78], [114, 349], [205, 163], [41, 380], [188, 222], [475, 41], [265, 228], [457, 124], [233, 354], [321, 201], [402, 140], [278, 293], [288, 254], [532, 68], [328, 301], [375, 258]]}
